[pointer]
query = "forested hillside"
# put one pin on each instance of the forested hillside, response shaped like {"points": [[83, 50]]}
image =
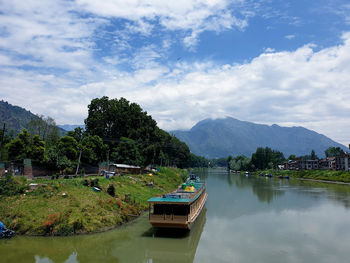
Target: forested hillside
{"points": [[16, 118]]}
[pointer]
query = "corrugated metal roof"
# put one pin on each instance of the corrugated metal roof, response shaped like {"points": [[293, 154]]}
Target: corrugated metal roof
{"points": [[119, 165]]}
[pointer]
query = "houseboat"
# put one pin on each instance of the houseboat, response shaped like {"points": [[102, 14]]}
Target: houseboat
{"points": [[179, 209]]}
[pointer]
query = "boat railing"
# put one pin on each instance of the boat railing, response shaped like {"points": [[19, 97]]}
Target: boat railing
{"points": [[197, 192], [167, 217]]}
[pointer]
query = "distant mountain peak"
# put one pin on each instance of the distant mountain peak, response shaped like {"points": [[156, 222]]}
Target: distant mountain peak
{"points": [[229, 136]]}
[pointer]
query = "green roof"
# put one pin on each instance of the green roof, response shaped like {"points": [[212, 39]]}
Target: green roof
{"points": [[176, 200]]}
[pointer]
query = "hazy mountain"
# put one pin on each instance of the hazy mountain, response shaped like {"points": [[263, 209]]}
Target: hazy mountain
{"points": [[229, 136], [71, 127], [16, 118]]}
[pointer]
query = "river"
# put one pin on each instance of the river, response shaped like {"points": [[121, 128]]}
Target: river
{"points": [[246, 219]]}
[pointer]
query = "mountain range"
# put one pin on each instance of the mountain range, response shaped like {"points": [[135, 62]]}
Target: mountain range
{"points": [[71, 127], [213, 138], [228, 136], [16, 118]]}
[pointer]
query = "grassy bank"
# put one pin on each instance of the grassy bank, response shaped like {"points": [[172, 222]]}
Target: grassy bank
{"points": [[333, 176], [46, 211]]}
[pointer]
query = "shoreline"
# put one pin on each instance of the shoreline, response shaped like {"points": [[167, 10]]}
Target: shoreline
{"points": [[322, 181], [69, 207], [322, 176], [98, 231]]}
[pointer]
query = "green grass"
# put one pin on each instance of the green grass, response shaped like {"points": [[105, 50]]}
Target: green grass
{"points": [[46, 212], [335, 176]]}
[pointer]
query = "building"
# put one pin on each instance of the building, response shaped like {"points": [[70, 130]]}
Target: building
{"points": [[309, 164], [342, 162], [292, 165], [122, 168], [327, 164]]}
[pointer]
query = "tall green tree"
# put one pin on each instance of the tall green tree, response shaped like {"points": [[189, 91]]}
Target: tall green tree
{"points": [[240, 163], [313, 155], [45, 128], [333, 151], [68, 147], [26, 146], [93, 149], [266, 158], [127, 152], [113, 119]]}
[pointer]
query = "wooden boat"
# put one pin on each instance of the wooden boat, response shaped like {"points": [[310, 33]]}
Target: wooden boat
{"points": [[179, 209]]}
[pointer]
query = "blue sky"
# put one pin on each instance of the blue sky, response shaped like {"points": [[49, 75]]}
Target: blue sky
{"points": [[265, 61]]}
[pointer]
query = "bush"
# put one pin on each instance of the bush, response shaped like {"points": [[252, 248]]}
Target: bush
{"points": [[64, 229], [111, 190], [77, 225], [68, 170], [11, 186], [85, 182]]}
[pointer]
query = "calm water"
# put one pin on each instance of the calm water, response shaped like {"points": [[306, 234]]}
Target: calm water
{"points": [[246, 220]]}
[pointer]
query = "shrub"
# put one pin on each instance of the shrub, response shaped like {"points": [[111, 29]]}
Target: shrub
{"points": [[77, 225], [111, 190], [85, 182], [64, 229], [68, 170], [11, 186], [49, 224]]}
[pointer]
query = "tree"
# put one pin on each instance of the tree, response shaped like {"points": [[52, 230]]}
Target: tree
{"points": [[115, 121], [292, 157], [45, 128], [77, 134], [68, 146], [313, 155], [266, 158], [5, 139], [240, 163], [197, 161], [333, 151], [26, 146], [228, 160], [127, 152], [37, 149], [93, 149]]}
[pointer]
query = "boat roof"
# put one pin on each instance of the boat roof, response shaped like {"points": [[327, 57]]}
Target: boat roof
{"points": [[179, 196]]}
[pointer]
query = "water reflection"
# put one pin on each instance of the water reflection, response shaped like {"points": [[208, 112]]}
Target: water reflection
{"points": [[248, 219], [174, 245], [129, 243]]}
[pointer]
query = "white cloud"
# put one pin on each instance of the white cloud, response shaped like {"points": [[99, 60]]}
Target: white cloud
{"points": [[290, 37], [192, 16], [303, 88], [49, 65], [269, 50]]}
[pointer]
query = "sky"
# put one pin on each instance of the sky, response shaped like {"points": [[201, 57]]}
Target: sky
{"points": [[284, 62]]}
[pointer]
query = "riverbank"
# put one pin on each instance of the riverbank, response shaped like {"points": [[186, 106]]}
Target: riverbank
{"points": [[71, 206], [316, 175]]}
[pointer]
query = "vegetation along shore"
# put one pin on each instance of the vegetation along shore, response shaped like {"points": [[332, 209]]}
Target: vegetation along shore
{"points": [[71, 206], [319, 175]]}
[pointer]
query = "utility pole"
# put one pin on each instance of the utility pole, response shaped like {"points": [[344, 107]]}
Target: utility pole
{"points": [[76, 172], [81, 148], [108, 159]]}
